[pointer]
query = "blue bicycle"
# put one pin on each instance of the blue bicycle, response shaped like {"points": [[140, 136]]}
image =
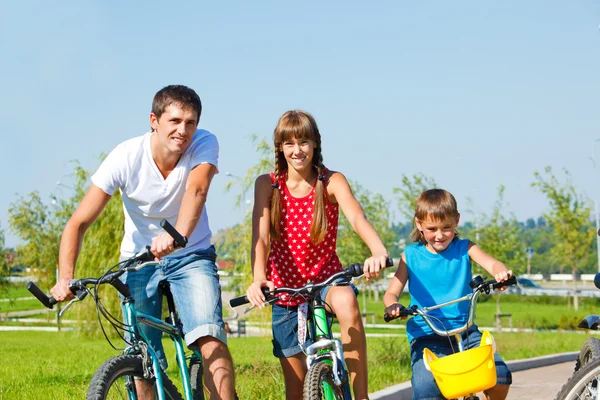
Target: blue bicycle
{"points": [[119, 377]]}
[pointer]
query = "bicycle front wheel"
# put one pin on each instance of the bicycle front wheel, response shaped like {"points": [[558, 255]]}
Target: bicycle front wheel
{"points": [[589, 351], [319, 384], [122, 377], [583, 384]]}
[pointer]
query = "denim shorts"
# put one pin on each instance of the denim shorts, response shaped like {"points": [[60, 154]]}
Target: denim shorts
{"points": [[194, 283], [423, 383], [285, 328]]}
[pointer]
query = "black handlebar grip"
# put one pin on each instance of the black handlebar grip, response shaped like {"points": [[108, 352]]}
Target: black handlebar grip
{"points": [[238, 301], [47, 301], [180, 241], [145, 255], [404, 312], [355, 269], [509, 282], [388, 318]]}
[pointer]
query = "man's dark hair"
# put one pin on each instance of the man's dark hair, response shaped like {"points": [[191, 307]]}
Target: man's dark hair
{"points": [[179, 95]]}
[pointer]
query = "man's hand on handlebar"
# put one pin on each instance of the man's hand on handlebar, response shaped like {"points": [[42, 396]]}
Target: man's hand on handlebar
{"points": [[255, 295], [163, 245], [394, 310], [61, 291]]}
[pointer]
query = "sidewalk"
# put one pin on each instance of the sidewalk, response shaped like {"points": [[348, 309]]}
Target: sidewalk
{"points": [[540, 383], [538, 378]]}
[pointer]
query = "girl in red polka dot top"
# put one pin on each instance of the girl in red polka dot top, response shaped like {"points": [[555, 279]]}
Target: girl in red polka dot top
{"points": [[294, 233]]}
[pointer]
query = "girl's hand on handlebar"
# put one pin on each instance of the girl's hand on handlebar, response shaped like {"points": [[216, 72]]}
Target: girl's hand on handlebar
{"points": [[373, 265], [255, 295], [394, 310], [162, 245]]}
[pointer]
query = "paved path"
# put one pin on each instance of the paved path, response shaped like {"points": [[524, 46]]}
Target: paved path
{"points": [[540, 383], [538, 378]]}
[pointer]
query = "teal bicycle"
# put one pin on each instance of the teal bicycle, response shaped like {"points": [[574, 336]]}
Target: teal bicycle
{"points": [[327, 377], [116, 378]]}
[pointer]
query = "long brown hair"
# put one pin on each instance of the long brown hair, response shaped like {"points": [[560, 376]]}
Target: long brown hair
{"points": [[300, 125], [434, 204]]}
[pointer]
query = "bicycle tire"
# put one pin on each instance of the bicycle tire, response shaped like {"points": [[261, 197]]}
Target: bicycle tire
{"points": [[319, 384], [589, 351], [110, 379], [583, 384], [196, 378]]}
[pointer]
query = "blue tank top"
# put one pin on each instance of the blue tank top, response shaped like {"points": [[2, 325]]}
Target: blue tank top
{"points": [[437, 278]]}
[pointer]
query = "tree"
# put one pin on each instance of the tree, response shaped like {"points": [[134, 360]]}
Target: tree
{"points": [[500, 237], [3, 259], [235, 244], [409, 191], [569, 218], [40, 226], [530, 223], [350, 246]]}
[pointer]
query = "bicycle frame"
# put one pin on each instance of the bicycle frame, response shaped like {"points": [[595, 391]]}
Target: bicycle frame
{"points": [[133, 318], [138, 343], [325, 346]]}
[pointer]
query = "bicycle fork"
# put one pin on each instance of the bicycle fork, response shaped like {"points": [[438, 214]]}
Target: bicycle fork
{"points": [[335, 353], [325, 347]]}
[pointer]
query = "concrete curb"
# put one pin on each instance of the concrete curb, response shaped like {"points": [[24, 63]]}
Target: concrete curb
{"points": [[403, 391]]}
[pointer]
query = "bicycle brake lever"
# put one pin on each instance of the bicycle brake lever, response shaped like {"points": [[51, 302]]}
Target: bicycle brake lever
{"points": [[69, 304], [268, 302]]}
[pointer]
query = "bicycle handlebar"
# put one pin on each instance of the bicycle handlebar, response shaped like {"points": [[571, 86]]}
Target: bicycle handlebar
{"points": [[353, 271], [79, 286], [479, 286]]}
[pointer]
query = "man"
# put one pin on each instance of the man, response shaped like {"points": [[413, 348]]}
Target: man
{"points": [[164, 174]]}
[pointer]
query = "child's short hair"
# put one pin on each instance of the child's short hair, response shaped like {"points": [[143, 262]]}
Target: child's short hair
{"points": [[434, 204]]}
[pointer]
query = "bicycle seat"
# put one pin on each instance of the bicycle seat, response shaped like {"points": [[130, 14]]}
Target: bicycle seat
{"points": [[164, 288]]}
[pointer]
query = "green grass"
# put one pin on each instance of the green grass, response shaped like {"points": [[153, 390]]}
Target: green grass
{"points": [[36, 365]]}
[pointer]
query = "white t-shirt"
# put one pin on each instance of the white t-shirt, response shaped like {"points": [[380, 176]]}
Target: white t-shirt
{"points": [[147, 196]]}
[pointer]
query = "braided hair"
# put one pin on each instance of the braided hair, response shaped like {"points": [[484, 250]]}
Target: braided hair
{"points": [[300, 125]]}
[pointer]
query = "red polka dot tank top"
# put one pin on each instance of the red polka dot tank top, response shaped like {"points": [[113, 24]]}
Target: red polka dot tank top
{"points": [[293, 260]]}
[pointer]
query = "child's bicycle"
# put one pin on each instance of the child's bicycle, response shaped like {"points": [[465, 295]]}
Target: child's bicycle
{"points": [[327, 376], [466, 372], [116, 378]]}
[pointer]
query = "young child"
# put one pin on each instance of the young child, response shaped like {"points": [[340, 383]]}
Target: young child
{"points": [[438, 269], [295, 219]]}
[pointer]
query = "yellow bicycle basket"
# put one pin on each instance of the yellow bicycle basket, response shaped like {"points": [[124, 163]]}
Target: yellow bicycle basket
{"points": [[465, 372]]}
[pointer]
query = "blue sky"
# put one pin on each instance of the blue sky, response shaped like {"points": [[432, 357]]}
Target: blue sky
{"points": [[473, 94]]}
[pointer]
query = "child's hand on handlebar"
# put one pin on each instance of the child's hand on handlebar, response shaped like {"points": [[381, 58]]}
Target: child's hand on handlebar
{"points": [[255, 295], [394, 310], [373, 265], [503, 275]]}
